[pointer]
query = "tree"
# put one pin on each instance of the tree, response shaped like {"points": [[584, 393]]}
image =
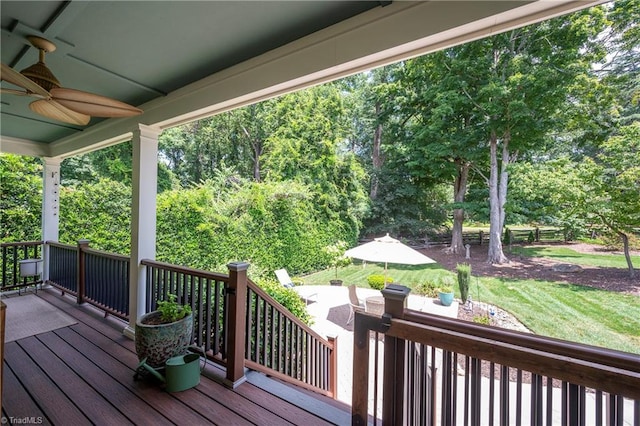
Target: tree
{"points": [[20, 198], [442, 128], [518, 82], [611, 186]]}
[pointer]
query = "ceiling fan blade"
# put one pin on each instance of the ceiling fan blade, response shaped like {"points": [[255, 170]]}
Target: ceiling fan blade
{"points": [[17, 92], [14, 77], [92, 104], [55, 111]]}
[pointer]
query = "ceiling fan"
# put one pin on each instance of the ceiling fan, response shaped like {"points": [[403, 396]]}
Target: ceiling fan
{"points": [[56, 102]]}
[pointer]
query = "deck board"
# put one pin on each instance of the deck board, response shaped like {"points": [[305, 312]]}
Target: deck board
{"points": [[84, 374]]}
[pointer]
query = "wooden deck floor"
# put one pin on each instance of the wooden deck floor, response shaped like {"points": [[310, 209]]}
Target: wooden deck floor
{"points": [[83, 374]]}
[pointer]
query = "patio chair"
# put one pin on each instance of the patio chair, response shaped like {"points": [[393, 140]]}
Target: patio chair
{"points": [[355, 304], [285, 281]]}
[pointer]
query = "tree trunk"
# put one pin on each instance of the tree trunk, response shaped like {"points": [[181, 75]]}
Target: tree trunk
{"points": [[376, 157], [256, 147], [459, 192], [495, 254], [504, 179], [257, 152], [625, 242]]}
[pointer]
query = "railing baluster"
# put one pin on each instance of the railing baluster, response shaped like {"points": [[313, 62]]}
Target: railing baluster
{"points": [[582, 404], [518, 397], [492, 391], [549, 401], [565, 401], [504, 395], [434, 383], [466, 389]]}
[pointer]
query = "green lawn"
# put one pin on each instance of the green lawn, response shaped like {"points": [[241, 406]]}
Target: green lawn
{"points": [[568, 255], [571, 312]]}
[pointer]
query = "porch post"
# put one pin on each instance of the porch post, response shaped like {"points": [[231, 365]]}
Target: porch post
{"points": [[50, 208], [395, 302], [236, 323], [143, 217]]}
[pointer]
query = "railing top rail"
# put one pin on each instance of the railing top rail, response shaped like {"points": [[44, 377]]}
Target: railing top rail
{"points": [[62, 245], [260, 292], [21, 243], [623, 380], [610, 357], [186, 270], [115, 256]]}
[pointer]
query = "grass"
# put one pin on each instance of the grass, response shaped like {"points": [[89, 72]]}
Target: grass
{"points": [[571, 312], [568, 255]]}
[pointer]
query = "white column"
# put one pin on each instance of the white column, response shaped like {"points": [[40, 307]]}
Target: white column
{"points": [[50, 207], [143, 217]]}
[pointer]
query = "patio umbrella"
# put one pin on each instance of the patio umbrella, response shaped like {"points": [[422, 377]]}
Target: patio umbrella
{"points": [[388, 250]]}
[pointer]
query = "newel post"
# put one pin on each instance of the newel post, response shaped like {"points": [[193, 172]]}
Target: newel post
{"points": [[333, 367], [395, 302], [82, 245], [236, 323]]}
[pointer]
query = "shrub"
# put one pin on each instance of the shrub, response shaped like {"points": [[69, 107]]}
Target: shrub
{"points": [[377, 281], [481, 319], [288, 298], [428, 288], [531, 238], [506, 238], [464, 279]]}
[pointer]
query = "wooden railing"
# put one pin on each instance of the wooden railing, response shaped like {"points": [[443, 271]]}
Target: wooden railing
{"points": [[106, 281], [12, 254], [280, 345], [204, 291], [235, 322], [445, 371], [95, 277], [238, 324], [63, 267]]}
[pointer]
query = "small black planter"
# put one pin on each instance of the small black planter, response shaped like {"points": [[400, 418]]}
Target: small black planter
{"points": [[335, 282]]}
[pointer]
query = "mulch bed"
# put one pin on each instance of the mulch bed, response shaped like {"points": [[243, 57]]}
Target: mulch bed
{"points": [[612, 279]]}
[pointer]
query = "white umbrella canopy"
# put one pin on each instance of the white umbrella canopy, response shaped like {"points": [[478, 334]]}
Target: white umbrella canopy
{"points": [[388, 250]]}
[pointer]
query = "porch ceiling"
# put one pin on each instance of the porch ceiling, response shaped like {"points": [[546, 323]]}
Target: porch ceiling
{"points": [[180, 61]]}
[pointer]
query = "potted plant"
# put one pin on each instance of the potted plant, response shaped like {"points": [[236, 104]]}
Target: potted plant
{"points": [[337, 259], [164, 333], [445, 291]]}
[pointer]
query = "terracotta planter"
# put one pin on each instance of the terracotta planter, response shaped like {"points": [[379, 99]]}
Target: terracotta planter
{"points": [[159, 342]]}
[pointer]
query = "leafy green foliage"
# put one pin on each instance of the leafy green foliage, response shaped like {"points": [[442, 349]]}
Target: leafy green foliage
{"points": [[171, 311], [287, 297], [20, 198], [427, 288], [481, 319], [99, 212], [335, 252], [378, 281]]}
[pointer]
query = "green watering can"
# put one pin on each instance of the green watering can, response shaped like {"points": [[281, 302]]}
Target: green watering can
{"points": [[181, 372]]}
